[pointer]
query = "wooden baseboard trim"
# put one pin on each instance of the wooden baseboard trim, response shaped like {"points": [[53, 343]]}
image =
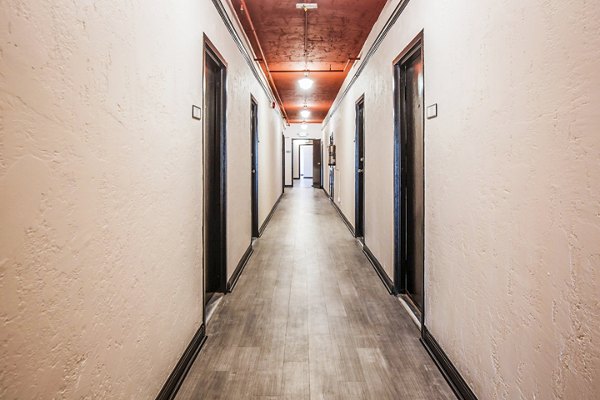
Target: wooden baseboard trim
{"points": [[264, 224], [387, 282], [240, 267], [173, 383], [459, 386]]}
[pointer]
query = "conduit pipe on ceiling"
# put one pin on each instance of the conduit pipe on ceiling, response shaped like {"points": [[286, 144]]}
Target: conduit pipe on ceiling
{"points": [[263, 58], [296, 71]]}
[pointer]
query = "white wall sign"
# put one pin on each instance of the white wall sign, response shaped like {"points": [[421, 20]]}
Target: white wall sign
{"points": [[432, 111]]}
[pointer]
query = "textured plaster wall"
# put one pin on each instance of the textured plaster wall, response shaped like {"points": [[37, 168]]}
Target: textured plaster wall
{"points": [[270, 165], [512, 169], [101, 191]]}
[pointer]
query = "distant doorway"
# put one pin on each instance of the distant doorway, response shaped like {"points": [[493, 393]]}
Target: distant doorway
{"points": [[409, 175], [359, 174], [254, 166], [214, 173], [305, 154]]}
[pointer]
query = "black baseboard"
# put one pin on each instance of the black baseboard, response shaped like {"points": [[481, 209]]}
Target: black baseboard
{"points": [[288, 185], [240, 267], [264, 224], [387, 282], [460, 388], [346, 222], [173, 383]]}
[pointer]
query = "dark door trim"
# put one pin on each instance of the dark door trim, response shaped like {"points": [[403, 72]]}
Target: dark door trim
{"points": [[300, 158], [254, 163], [400, 136], [318, 159], [282, 163], [359, 168], [211, 52]]}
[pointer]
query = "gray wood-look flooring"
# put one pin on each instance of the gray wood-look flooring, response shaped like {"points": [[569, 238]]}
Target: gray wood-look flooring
{"points": [[310, 319]]}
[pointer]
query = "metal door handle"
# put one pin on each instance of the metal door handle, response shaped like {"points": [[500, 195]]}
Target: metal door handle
{"points": [[253, 171], [360, 170]]}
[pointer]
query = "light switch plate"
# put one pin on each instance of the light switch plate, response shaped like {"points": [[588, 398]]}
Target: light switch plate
{"points": [[196, 112], [432, 111]]}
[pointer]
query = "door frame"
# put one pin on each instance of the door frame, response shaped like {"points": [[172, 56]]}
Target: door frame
{"points": [[300, 158], [292, 157], [209, 50], [254, 166], [401, 271], [318, 149], [359, 215], [282, 163]]}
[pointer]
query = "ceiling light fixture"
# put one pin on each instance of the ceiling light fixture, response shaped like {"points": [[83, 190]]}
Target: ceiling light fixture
{"points": [[305, 83], [306, 6]]}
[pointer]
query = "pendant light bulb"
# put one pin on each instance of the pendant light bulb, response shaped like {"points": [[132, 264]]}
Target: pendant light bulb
{"points": [[304, 126], [305, 113], [305, 83]]}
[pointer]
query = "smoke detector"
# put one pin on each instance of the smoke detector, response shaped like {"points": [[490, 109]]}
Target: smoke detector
{"points": [[306, 6]]}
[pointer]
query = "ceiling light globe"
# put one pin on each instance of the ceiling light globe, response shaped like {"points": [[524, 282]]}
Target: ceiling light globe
{"points": [[305, 83], [305, 113], [304, 126]]}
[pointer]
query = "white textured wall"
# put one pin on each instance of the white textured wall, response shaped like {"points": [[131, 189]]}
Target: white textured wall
{"points": [[101, 192], [270, 165], [512, 187]]}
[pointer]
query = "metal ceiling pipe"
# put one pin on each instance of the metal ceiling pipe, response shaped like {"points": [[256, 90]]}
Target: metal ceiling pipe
{"points": [[301, 71], [264, 60]]}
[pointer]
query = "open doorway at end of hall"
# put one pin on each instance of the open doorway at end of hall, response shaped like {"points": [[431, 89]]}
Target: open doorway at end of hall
{"points": [[306, 162]]}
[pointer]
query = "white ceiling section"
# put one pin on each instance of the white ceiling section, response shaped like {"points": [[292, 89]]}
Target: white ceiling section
{"points": [[313, 131]]}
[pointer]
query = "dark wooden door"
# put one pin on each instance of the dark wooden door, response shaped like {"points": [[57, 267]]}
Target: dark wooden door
{"points": [[359, 176], [214, 175], [317, 151], [411, 178], [254, 166]]}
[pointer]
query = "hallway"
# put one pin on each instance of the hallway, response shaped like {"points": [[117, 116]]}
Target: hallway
{"points": [[277, 199], [310, 319]]}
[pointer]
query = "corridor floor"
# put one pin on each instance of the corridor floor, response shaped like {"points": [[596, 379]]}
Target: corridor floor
{"points": [[310, 319]]}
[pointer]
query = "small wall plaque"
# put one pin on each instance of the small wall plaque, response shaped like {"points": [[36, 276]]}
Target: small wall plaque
{"points": [[432, 111], [196, 112]]}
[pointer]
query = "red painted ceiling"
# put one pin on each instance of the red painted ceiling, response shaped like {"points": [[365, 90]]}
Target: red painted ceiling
{"points": [[336, 33]]}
